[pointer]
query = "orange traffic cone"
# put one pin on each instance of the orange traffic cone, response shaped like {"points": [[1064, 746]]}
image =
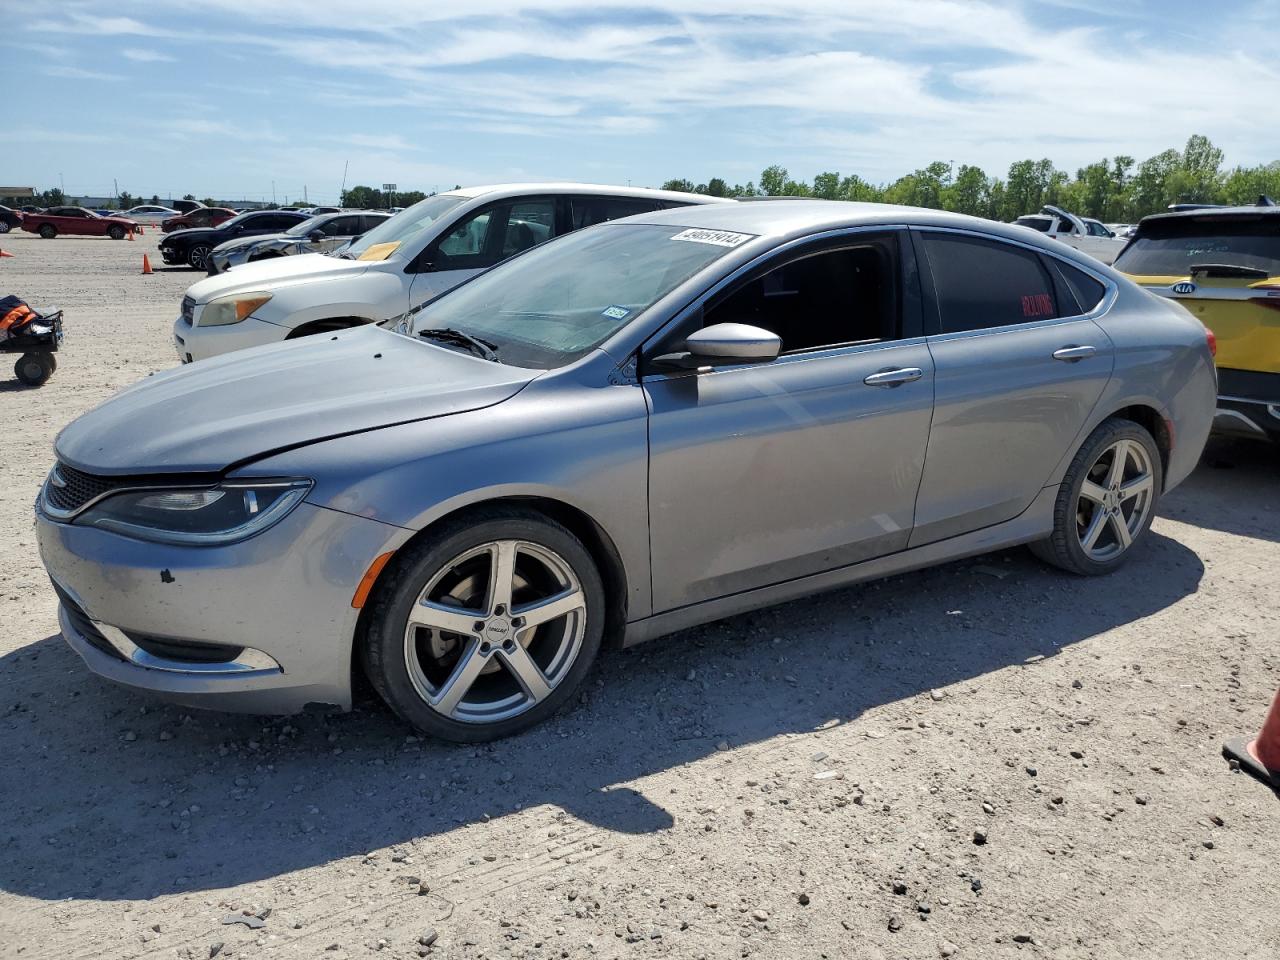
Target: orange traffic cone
{"points": [[4, 254], [146, 265], [131, 236], [1260, 757]]}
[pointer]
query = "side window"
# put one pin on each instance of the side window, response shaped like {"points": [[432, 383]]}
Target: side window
{"points": [[342, 227], [587, 211], [368, 222], [465, 242], [529, 222], [829, 298], [985, 283], [1097, 229], [1086, 291]]}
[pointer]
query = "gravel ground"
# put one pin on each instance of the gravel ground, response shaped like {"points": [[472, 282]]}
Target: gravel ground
{"points": [[988, 759]]}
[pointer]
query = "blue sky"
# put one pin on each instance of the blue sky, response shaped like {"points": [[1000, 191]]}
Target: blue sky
{"points": [[223, 97]]}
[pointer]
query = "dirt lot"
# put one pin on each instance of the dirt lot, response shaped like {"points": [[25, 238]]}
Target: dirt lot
{"points": [[809, 781]]}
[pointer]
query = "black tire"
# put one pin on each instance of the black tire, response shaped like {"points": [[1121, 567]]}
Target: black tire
{"points": [[51, 360], [383, 651], [4, 226], [115, 232], [197, 254], [32, 370], [48, 231], [1064, 548]]}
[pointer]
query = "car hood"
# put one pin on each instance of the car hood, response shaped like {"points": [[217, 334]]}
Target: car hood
{"points": [[239, 242], [218, 413], [274, 274]]}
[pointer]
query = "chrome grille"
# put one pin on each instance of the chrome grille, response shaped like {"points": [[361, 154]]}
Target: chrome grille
{"points": [[69, 489], [188, 311]]}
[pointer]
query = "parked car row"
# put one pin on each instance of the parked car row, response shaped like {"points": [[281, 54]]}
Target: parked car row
{"points": [[570, 433], [320, 233]]}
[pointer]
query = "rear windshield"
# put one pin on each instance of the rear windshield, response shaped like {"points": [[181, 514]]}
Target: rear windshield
{"points": [[1035, 223], [1170, 248]]}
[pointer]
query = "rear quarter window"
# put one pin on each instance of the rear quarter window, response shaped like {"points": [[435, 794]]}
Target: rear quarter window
{"points": [[1086, 291]]}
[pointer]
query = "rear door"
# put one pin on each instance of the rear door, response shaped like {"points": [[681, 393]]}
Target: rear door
{"points": [[1018, 367]]}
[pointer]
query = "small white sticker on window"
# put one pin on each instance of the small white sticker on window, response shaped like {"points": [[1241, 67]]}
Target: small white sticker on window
{"points": [[615, 313], [720, 238]]}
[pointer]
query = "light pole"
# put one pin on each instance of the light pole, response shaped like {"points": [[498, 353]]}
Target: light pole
{"points": [[390, 189]]}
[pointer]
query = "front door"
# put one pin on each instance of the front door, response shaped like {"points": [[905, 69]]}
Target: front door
{"points": [[1018, 370], [478, 240], [764, 473]]}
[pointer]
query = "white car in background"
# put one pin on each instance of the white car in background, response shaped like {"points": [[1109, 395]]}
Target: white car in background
{"points": [[411, 258], [149, 214], [1084, 233]]}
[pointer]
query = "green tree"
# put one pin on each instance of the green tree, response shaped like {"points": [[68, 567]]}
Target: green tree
{"points": [[207, 201], [853, 187], [717, 188], [826, 186], [773, 181], [1243, 186], [127, 200], [190, 196], [363, 198], [684, 186], [970, 192]]}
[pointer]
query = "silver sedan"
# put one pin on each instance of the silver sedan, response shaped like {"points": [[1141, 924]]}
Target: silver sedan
{"points": [[628, 431]]}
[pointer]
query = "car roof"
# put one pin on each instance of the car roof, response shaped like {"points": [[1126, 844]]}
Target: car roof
{"points": [[1213, 213], [815, 216], [500, 190]]}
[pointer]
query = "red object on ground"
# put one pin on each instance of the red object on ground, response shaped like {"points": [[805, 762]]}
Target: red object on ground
{"points": [[146, 265], [1260, 757], [3, 254]]}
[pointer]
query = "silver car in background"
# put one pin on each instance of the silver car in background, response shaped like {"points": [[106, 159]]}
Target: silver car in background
{"points": [[322, 233], [630, 430]]}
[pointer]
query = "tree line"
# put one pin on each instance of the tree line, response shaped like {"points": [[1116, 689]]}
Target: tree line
{"points": [[1114, 189]]}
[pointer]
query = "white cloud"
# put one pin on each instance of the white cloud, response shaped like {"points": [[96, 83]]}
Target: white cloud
{"points": [[146, 56]]}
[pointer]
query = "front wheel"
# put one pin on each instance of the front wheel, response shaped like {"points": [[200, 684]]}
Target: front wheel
{"points": [[486, 628], [1106, 502], [4, 226], [197, 256]]}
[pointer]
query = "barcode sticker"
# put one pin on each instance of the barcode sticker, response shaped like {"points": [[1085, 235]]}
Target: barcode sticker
{"points": [[720, 238]]}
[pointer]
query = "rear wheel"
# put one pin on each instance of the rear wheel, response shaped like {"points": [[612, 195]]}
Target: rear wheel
{"points": [[48, 231], [486, 628], [4, 226], [32, 370], [1107, 500], [115, 232], [197, 254]]}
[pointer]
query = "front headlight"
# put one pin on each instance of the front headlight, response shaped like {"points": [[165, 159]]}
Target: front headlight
{"points": [[205, 516], [231, 309]]}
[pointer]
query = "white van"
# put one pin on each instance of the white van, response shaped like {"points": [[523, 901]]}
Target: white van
{"points": [[413, 257]]}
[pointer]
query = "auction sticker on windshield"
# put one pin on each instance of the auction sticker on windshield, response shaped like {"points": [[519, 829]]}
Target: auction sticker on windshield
{"points": [[379, 251], [720, 238]]}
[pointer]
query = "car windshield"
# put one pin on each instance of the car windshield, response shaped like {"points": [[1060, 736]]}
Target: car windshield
{"points": [[306, 226], [399, 231], [551, 305], [1169, 248], [237, 219]]}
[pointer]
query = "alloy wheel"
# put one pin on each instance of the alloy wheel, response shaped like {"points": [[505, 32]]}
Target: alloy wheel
{"points": [[197, 256], [495, 631], [1114, 500]]}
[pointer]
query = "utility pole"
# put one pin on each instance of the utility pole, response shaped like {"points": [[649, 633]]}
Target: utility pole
{"points": [[273, 193], [342, 194]]}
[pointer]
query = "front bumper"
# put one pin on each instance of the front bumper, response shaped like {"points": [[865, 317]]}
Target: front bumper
{"points": [[171, 256], [194, 342], [1248, 404], [280, 601]]}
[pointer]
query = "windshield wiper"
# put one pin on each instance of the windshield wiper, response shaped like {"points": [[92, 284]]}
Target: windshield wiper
{"points": [[477, 345]]}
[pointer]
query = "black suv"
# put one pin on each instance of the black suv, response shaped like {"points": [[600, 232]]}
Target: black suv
{"points": [[191, 247]]}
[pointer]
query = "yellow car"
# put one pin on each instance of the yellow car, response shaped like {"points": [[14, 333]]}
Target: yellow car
{"points": [[1223, 264]]}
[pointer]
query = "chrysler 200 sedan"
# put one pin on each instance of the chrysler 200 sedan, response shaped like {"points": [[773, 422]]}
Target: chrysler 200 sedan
{"points": [[638, 427]]}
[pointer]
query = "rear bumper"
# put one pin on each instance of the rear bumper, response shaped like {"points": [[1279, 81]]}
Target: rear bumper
{"points": [[1248, 404]]}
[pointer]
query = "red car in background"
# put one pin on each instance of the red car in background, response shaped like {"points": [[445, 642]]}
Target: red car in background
{"points": [[76, 221], [200, 217]]}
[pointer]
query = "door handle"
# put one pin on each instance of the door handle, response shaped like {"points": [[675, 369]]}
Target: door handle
{"points": [[1072, 354], [894, 378]]}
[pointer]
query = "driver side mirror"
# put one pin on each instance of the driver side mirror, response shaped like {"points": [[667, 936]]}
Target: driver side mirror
{"points": [[722, 344], [315, 236]]}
